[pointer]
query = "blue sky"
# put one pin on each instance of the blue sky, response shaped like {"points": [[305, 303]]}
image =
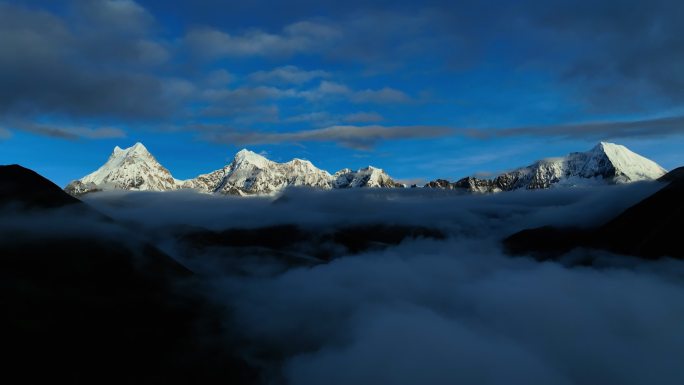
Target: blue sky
{"points": [[425, 90]]}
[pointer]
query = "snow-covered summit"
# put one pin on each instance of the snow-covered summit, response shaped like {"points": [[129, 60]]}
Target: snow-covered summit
{"points": [[133, 168], [604, 163]]}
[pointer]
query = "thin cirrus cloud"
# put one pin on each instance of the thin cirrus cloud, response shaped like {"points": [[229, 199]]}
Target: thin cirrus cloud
{"points": [[350, 136], [70, 132], [228, 102], [303, 36], [363, 116], [288, 74], [323, 118], [5, 133], [665, 126], [328, 89]]}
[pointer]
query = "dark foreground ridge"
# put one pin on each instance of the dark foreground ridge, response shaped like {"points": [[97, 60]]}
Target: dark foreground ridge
{"points": [[95, 309], [650, 229], [19, 185]]}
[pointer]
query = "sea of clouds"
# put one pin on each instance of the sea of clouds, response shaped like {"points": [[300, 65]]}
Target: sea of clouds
{"points": [[432, 311]]}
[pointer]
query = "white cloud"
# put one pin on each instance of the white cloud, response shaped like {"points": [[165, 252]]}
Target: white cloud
{"points": [[382, 96], [287, 75], [300, 37], [657, 126], [356, 137], [219, 78], [68, 131], [330, 89], [433, 311], [123, 16]]}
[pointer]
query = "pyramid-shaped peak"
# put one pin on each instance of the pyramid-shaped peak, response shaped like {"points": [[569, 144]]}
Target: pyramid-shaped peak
{"points": [[616, 150], [627, 165]]}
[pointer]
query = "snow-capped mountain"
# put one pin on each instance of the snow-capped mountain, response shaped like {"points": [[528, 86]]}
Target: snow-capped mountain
{"points": [[366, 177], [133, 168], [605, 163], [251, 173]]}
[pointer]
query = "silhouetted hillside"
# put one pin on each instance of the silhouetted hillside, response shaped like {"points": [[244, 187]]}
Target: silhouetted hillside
{"points": [[649, 229]]}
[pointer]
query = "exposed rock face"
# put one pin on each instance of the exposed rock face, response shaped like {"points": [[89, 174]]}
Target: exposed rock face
{"points": [[605, 163], [366, 177], [441, 183], [475, 185]]}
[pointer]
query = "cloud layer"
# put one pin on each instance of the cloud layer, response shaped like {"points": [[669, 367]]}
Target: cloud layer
{"points": [[610, 129], [431, 311], [356, 137]]}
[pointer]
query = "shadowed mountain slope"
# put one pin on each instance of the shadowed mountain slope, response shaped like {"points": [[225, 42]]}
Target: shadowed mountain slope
{"points": [[650, 229], [19, 185], [86, 301]]}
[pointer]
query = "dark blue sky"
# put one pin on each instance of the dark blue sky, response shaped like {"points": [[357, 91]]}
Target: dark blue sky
{"points": [[424, 89]]}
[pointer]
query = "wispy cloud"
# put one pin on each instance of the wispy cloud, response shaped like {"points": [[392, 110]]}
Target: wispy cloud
{"points": [[612, 129], [363, 117], [5, 133], [219, 78], [254, 100], [316, 118], [329, 89], [66, 132], [356, 137], [324, 118], [287, 75], [381, 96], [303, 36]]}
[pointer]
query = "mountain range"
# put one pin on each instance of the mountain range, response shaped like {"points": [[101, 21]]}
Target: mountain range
{"points": [[249, 173], [605, 163]]}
